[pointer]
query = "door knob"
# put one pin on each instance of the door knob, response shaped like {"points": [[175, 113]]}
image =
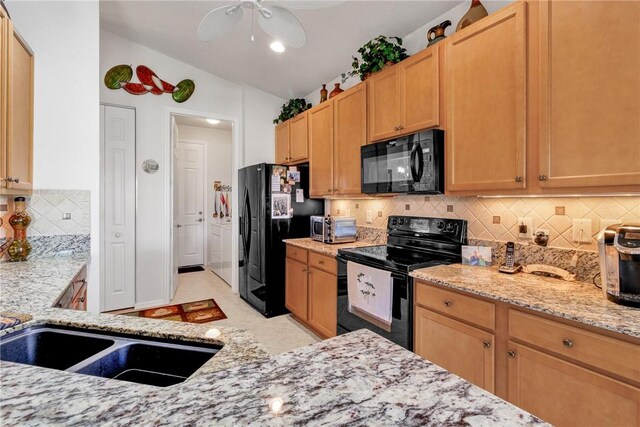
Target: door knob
{"points": [[200, 213], [178, 226], [199, 219]]}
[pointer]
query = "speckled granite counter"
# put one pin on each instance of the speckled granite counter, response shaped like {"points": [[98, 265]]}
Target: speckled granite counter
{"points": [[355, 379], [324, 248], [576, 301]]}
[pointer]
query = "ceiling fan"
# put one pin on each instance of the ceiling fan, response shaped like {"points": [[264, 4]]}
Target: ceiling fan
{"points": [[277, 21]]}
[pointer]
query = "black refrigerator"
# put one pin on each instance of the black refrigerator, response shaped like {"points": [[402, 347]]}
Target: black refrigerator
{"points": [[271, 209]]}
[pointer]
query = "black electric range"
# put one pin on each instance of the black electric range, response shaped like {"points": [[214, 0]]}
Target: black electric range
{"points": [[412, 243]]}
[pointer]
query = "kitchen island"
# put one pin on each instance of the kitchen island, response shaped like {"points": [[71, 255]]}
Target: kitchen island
{"points": [[357, 379]]}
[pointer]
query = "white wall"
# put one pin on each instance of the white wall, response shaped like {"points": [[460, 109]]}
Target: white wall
{"points": [[214, 96], [65, 39], [416, 40], [259, 131], [219, 155]]}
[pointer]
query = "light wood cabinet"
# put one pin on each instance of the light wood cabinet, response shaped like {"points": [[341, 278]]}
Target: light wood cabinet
{"points": [[298, 139], [312, 290], [337, 130], [459, 348], [296, 288], [405, 98], [589, 93], [323, 297], [486, 103], [565, 394], [16, 82], [282, 142]]}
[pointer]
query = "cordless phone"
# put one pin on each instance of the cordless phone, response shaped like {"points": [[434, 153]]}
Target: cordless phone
{"points": [[510, 266]]}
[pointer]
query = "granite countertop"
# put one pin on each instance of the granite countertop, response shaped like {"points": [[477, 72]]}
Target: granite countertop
{"points": [[359, 378], [577, 301], [325, 248]]}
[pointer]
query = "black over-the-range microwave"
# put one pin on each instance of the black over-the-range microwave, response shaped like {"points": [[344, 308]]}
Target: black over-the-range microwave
{"points": [[411, 164]]}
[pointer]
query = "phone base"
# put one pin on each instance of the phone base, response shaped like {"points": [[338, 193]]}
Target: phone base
{"points": [[510, 270]]}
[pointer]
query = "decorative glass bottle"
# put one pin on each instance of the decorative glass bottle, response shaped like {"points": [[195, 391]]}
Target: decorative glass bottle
{"points": [[20, 247], [475, 13], [336, 91], [323, 93]]}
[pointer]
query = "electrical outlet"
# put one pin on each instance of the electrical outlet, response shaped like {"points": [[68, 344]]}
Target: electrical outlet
{"points": [[369, 216], [525, 223], [581, 230], [66, 215]]}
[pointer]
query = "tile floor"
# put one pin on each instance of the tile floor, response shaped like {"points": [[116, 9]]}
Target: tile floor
{"points": [[277, 334]]}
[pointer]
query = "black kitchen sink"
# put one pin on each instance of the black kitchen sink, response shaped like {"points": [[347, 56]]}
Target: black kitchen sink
{"points": [[144, 360]]}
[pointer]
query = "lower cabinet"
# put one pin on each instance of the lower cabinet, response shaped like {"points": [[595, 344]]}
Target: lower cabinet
{"points": [[459, 348], [311, 293], [565, 394], [74, 296], [219, 248]]}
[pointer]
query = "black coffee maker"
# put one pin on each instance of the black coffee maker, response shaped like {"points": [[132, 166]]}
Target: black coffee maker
{"points": [[619, 248]]}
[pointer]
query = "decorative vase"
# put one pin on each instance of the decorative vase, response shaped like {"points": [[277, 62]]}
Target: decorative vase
{"points": [[323, 93], [475, 13], [336, 91], [436, 33], [20, 248]]}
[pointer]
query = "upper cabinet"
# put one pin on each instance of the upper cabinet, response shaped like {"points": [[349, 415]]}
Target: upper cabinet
{"points": [[337, 130], [589, 93], [16, 117], [486, 103], [405, 98], [292, 140]]}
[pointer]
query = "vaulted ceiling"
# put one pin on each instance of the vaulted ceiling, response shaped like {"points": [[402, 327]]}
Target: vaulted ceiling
{"points": [[335, 33]]}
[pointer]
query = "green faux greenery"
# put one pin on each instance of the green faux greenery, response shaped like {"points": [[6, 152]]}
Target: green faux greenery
{"points": [[374, 56], [291, 108]]}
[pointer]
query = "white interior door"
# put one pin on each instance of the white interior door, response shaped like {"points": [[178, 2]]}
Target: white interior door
{"points": [[119, 162], [175, 191], [191, 203]]}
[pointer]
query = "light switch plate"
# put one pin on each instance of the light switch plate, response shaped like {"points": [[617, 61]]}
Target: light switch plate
{"points": [[581, 230], [529, 223], [369, 216]]}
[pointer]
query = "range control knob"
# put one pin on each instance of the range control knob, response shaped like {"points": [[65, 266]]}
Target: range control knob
{"points": [[451, 227], [440, 225], [401, 221], [394, 221]]}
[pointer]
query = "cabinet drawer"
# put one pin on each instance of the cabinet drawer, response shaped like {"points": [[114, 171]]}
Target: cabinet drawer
{"points": [[296, 253], [478, 312], [612, 355], [323, 262]]}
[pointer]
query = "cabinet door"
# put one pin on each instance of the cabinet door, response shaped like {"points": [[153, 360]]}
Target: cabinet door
{"points": [[350, 130], [323, 300], [384, 104], [321, 150], [464, 350], [20, 114], [296, 288], [282, 142], [486, 98], [420, 91], [4, 28], [565, 394], [298, 139], [589, 93]]}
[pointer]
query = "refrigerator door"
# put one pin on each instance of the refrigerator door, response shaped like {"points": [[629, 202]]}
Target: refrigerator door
{"points": [[242, 255]]}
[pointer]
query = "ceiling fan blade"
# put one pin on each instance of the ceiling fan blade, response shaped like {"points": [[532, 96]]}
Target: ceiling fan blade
{"points": [[307, 4], [283, 26], [218, 22]]}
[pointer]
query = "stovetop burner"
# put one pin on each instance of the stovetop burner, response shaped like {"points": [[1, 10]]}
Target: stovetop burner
{"points": [[394, 258]]}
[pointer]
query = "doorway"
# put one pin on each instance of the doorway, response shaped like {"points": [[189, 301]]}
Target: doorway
{"points": [[204, 156]]}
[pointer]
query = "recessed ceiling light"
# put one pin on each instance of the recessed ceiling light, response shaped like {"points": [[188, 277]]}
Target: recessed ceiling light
{"points": [[277, 47], [213, 121]]}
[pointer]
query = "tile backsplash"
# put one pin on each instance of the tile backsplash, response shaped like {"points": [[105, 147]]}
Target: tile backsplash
{"points": [[47, 209], [496, 219]]}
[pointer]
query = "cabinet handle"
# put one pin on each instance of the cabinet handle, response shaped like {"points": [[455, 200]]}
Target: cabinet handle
{"points": [[400, 127], [542, 178], [329, 190], [448, 303], [321, 262], [567, 343], [518, 179], [486, 344], [511, 354]]}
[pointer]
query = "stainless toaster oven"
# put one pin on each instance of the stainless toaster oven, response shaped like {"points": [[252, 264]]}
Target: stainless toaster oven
{"points": [[333, 229]]}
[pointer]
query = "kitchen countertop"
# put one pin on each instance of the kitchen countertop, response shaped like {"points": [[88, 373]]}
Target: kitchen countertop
{"points": [[359, 378], [325, 248], [577, 301]]}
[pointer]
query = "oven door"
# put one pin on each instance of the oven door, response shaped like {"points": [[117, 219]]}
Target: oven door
{"points": [[402, 313], [318, 228], [387, 166]]}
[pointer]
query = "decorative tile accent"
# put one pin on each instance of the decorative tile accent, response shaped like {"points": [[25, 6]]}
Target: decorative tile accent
{"points": [[479, 212], [47, 207]]}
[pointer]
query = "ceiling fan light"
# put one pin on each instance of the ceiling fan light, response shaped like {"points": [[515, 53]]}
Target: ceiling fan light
{"points": [[284, 26], [277, 46]]}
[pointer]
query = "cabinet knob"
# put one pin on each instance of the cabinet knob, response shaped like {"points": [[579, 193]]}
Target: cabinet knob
{"points": [[321, 262], [448, 303], [518, 179], [304, 269], [329, 190], [511, 354], [542, 178], [567, 343], [486, 344]]}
